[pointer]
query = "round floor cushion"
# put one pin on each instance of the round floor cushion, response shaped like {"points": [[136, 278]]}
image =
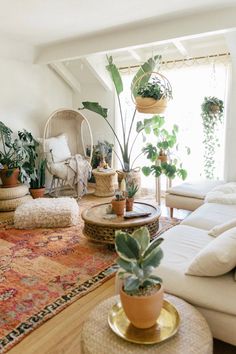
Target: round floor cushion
{"points": [[14, 192], [12, 204], [47, 212]]}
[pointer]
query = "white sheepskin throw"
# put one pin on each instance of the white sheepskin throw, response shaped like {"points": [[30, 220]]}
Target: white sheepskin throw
{"points": [[224, 194], [47, 212]]}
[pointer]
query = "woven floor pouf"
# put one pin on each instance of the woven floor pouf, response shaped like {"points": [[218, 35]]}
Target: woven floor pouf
{"points": [[47, 212]]}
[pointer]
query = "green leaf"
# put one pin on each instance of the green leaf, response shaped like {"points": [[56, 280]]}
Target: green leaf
{"points": [[131, 284], [153, 259], [139, 126], [95, 107], [142, 236], [152, 246], [147, 68], [126, 246], [126, 265], [182, 173], [146, 170], [155, 277], [115, 75]]}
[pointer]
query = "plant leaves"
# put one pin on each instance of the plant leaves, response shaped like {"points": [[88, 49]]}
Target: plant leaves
{"points": [[153, 259], [147, 68], [115, 75], [126, 265], [142, 236], [152, 246], [95, 107], [126, 246], [131, 284], [146, 170]]}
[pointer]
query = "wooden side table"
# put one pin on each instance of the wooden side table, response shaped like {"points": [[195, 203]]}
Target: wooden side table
{"points": [[193, 336], [105, 183], [100, 229]]}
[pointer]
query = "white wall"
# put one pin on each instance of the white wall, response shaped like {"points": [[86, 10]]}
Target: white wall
{"points": [[96, 93], [28, 92], [230, 137]]}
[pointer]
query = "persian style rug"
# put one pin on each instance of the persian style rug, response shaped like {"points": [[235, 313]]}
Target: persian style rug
{"points": [[43, 271]]}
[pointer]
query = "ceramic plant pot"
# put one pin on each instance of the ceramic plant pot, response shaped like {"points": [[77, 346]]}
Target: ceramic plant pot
{"points": [[129, 204], [163, 158], [37, 192], [143, 311], [118, 206], [9, 177], [150, 105]]}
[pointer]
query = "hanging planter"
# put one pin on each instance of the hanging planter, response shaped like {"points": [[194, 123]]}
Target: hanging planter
{"points": [[152, 96]]}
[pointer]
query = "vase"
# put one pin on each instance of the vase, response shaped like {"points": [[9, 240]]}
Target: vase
{"points": [[9, 177], [143, 311], [163, 158], [118, 206], [129, 204]]}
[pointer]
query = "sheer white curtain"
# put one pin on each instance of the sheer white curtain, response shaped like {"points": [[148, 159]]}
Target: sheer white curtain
{"points": [[191, 82]]}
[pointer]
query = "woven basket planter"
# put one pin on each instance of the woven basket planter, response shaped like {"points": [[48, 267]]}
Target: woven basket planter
{"points": [[12, 204], [12, 193], [150, 105]]}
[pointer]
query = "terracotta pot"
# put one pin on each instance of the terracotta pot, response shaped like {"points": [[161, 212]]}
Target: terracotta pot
{"points": [[214, 108], [11, 180], [118, 206], [37, 192], [143, 311], [163, 158], [150, 105], [129, 204]]}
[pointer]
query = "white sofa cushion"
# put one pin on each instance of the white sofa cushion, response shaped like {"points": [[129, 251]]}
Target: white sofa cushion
{"points": [[195, 189], [181, 244], [58, 147], [223, 194], [209, 215], [217, 257], [219, 229]]}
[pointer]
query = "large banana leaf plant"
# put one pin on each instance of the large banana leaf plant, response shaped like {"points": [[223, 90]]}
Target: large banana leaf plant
{"points": [[125, 143]]}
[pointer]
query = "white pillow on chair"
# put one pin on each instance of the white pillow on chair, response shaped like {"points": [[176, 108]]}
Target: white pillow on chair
{"points": [[217, 258], [58, 147]]}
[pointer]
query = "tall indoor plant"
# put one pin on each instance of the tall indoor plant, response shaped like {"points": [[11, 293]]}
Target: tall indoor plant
{"points": [[125, 143], [212, 119], [16, 155], [164, 149]]}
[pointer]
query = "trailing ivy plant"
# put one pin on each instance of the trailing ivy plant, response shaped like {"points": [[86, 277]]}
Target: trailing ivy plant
{"points": [[212, 118], [166, 145]]}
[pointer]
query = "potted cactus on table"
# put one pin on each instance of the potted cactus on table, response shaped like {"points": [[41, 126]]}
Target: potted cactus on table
{"points": [[142, 291], [132, 189]]}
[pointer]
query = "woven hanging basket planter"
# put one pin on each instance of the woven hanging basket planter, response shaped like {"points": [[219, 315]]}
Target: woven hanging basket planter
{"points": [[150, 105], [145, 104]]}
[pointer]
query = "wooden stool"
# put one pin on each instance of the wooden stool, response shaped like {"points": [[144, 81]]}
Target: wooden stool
{"points": [[105, 182]]}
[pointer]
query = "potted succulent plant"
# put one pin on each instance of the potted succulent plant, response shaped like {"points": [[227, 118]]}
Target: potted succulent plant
{"points": [[132, 189], [142, 292], [16, 155], [37, 182], [152, 97], [124, 142], [118, 203]]}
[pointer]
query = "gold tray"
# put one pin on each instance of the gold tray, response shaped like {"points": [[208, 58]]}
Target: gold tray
{"points": [[166, 326]]}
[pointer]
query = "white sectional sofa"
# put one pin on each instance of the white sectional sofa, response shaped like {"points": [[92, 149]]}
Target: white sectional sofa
{"points": [[214, 297]]}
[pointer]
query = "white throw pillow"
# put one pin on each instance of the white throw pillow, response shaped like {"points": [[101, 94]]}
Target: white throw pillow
{"points": [[219, 229], [58, 147], [217, 258]]}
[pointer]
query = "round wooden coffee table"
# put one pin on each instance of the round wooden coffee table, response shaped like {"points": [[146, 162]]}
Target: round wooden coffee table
{"points": [[99, 227]]}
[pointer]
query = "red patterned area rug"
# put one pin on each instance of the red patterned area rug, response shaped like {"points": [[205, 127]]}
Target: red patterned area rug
{"points": [[43, 271]]}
